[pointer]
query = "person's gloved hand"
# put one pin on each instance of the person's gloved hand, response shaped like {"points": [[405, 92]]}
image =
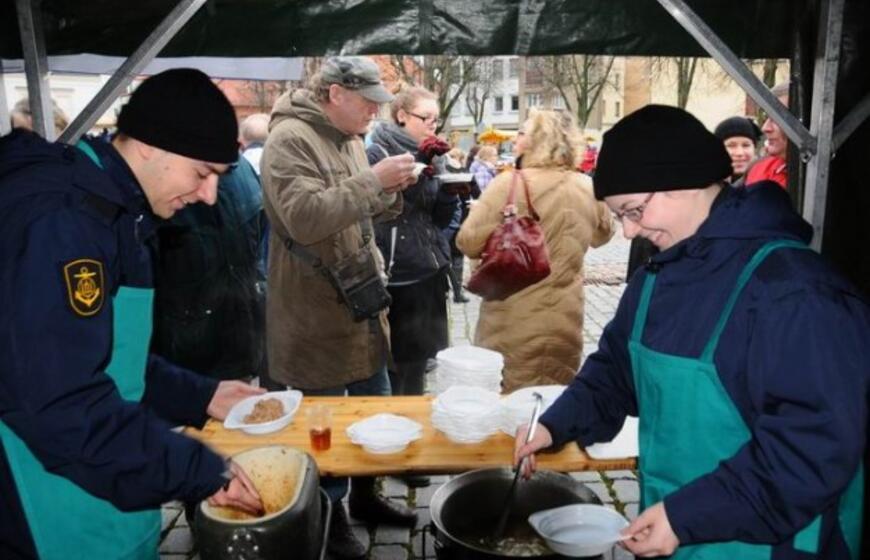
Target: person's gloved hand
{"points": [[238, 492], [229, 393]]}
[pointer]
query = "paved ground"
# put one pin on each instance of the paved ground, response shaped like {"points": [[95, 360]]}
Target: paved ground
{"points": [[605, 272]]}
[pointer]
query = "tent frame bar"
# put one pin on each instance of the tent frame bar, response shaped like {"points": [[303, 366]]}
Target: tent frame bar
{"points": [[5, 125], [816, 144], [33, 47], [826, 69], [123, 76], [741, 74]]}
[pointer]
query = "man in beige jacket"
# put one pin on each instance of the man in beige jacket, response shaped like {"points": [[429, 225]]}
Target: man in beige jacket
{"points": [[320, 192]]}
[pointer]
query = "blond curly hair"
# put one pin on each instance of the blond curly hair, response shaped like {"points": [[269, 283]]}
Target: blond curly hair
{"points": [[553, 139]]}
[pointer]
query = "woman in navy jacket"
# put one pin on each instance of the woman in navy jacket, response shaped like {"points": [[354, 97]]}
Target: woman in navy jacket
{"points": [[741, 351]]}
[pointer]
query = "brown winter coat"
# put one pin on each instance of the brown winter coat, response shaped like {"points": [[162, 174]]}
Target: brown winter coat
{"points": [[540, 329], [317, 186]]}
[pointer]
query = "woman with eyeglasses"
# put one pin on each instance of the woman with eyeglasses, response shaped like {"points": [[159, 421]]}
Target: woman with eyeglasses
{"points": [[417, 255], [742, 352], [539, 330]]}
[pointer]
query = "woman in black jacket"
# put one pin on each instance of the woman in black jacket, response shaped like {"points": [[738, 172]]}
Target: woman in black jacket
{"points": [[417, 255]]}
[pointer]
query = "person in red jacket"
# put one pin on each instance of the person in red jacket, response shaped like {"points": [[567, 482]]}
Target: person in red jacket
{"points": [[773, 166]]}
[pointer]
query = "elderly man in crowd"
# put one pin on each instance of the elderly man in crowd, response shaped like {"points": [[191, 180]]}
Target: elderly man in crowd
{"points": [[321, 197]]}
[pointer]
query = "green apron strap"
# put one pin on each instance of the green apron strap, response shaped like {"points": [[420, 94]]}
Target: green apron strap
{"points": [[643, 307], [748, 270], [89, 151]]}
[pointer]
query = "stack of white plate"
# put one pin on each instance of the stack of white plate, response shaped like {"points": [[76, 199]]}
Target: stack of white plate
{"points": [[517, 407], [469, 365], [467, 414], [384, 433]]}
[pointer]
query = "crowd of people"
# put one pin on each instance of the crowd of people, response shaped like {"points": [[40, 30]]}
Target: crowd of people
{"points": [[318, 252]]}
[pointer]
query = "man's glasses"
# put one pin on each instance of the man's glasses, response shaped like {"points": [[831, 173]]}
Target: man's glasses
{"points": [[431, 119], [634, 214]]}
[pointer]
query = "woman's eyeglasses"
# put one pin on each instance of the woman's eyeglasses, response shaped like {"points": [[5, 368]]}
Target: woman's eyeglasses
{"points": [[634, 214], [431, 119]]}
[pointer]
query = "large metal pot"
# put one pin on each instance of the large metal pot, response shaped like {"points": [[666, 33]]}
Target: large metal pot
{"points": [[466, 509], [297, 512]]}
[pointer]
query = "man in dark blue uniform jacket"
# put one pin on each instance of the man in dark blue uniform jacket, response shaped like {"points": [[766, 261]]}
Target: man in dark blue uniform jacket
{"points": [[86, 452], [742, 353]]}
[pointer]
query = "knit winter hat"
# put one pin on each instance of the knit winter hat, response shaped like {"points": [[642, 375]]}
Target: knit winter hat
{"points": [[183, 112], [737, 126], [659, 148]]}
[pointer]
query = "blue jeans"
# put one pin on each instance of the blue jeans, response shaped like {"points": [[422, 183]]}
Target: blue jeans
{"points": [[378, 385]]}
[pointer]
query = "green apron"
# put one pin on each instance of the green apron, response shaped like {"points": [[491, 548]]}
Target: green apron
{"points": [[65, 521], [689, 424]]}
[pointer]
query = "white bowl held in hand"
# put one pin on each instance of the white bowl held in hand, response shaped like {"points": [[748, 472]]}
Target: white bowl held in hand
{"points": [[235, 420], [579, 529]]}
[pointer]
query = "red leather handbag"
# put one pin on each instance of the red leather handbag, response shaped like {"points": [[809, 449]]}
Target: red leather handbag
{"points": [[515, 255]]}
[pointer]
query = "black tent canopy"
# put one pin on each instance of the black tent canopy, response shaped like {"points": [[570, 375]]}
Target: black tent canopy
{"points": [[825, 39]]}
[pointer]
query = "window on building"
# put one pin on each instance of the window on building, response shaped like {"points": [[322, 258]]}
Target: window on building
{"points": [[499, 104], [514, 68], [617, 109], [515, 103], [498, 69], [617, 80], [558, 102], [534, 74], [534, 100]]}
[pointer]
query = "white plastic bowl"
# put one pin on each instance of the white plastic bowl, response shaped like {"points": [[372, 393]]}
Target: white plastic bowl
{"points": [[235, 420], [579, 529], [384, 433]]}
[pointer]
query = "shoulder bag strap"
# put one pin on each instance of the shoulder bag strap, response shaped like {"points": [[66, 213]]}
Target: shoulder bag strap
{"points": [[532, 212]]}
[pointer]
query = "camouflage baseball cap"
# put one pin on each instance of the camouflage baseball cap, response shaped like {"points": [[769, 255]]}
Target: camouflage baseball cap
{"points": [[358, 73]]}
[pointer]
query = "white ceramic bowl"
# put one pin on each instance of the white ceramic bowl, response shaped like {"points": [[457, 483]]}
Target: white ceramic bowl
{"points": [[235, 420], [579, 529]]}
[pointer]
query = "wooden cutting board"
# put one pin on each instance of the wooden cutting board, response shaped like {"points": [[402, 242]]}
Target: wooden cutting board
{"points": [[432, 454]]}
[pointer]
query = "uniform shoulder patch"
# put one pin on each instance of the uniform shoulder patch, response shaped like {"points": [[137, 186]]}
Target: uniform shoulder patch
{"points": [[85, 286]]}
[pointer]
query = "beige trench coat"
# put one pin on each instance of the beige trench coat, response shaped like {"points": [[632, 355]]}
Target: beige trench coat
{"points": [[540, 329], [317, 187]]}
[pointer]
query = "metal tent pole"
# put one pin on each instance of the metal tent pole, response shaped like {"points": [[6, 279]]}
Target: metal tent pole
{"points": [[740, 73], [122, 77], [35, 66], [5, 125], [851, 122], [827, 65]]}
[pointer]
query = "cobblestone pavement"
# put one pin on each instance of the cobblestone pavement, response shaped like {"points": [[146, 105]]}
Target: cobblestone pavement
{"points": [[605, 273]]}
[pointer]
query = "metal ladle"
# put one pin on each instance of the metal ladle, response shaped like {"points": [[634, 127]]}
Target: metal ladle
{"points": [[508, 502]]}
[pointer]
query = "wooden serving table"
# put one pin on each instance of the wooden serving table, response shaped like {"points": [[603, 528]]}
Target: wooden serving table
{"points": [[431, 454]]}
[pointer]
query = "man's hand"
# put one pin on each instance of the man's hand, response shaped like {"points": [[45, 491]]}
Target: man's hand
{"points": [[396, 173], [651, 533], [541, 440], [238, 493], [229, 393]]}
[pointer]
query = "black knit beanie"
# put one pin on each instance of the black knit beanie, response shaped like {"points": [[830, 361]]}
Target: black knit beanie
{"points": [[659, 148], [183, 112], [737, 126]]}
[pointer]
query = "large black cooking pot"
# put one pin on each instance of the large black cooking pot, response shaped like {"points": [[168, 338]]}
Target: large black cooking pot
{"points": [[466, 509], [297, 512]]}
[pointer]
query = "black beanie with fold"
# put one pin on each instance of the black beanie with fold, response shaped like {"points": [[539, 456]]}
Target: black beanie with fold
{"points": [[659, 148], [183, 112]]}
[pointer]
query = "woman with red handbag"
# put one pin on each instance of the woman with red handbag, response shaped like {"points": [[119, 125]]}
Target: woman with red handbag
{"points": [[539, 328]]}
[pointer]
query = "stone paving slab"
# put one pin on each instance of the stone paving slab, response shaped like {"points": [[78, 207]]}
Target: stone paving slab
{"points": [[618, 489]]}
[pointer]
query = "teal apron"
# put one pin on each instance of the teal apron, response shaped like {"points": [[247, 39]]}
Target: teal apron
{"points": [[65, 521], [689, 424]]}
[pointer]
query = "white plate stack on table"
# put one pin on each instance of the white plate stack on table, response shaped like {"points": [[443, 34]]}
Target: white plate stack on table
{"points": [[237, 416], [466, 414], [384, 433], [622, 446], [517, 407], [470, 366]]}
